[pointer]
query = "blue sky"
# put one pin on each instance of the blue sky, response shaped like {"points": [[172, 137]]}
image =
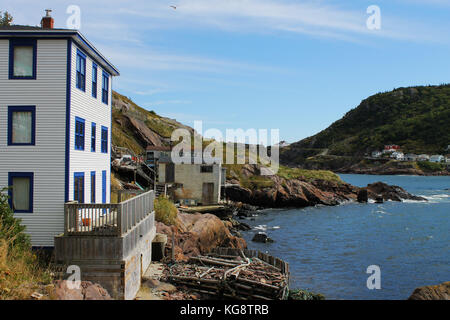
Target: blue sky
{"points": [[291, 65]]}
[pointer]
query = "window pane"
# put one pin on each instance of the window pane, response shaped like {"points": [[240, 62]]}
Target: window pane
{"points": [[21, 127], [23, 61], [21, 193]]}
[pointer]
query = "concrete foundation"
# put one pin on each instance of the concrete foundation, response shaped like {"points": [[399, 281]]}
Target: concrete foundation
{"points": [[116, 263]]}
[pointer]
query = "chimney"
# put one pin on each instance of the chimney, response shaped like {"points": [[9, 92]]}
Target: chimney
{"points": [[47, 22]]}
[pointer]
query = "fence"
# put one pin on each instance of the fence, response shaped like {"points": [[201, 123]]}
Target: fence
{"points": [[107, 219]]}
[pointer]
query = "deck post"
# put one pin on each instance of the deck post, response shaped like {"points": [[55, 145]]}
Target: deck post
{"points": [[119, 219]]}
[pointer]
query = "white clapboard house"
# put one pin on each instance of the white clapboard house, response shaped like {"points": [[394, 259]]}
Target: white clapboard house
{"points": [[55, 124]]}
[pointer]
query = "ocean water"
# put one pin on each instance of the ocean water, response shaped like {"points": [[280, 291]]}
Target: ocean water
{"points": [[330, 248]]}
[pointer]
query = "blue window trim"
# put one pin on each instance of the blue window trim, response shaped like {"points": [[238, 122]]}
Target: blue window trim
{"points": [[93, 187], [105, 87], [11, 110], [94, 83], [11, 176], [79, 175], [93, 136], [104, 129], [81, 120], [104, 185], [22, 42], [82, 56], [68, 91]]}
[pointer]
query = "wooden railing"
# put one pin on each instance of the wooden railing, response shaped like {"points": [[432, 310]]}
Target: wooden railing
{"points": [[107, 219]]}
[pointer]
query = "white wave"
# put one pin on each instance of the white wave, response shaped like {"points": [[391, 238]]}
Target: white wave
{"points": [[444, 197], [261, 227]]}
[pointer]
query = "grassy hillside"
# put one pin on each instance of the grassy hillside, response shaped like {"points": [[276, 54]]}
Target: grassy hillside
{"points": [[125, 134], [416, 118]]}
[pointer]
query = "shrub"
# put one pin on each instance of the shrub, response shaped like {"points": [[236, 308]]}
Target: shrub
{"points": [[10, 226], [20, 270], [430, 166], [304, 295], [165, 211]]}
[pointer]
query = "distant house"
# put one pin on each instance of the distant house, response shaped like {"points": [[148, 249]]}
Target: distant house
{"points": [[155, 154], [437, 158], [411, 157], [447, 159], [194, 183], [55, 119], [423, 157], [190, 183], [398, 156], [376, 154], [391, 148]]}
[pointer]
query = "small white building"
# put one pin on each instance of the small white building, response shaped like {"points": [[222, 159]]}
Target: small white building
{"points": [[192, 183], [55, 124], [376, 154], [437, 158], [423, 157], [397, 155], [411, 157]]}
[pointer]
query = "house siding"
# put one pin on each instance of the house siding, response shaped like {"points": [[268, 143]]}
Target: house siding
{"points": [[91, 109], [46, 159]]}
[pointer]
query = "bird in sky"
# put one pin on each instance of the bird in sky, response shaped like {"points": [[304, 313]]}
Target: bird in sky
{"points": [[174, 7]]}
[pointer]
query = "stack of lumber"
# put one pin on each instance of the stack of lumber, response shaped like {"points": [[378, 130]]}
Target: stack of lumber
{"points": [[230, 277]]}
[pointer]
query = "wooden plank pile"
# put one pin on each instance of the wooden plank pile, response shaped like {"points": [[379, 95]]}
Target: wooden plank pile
{"points": [[230, 277]]}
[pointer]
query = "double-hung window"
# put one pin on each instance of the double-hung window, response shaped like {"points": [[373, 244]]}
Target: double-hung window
{"points": [[105, 88], [22, 58], [93, 136], [21, 125], [79, 133], [78, 187], [92, 186], [21, 191], [94, 80], [81, 70], [104, 140]]}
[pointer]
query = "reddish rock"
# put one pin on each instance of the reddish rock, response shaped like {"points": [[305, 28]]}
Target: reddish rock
{"points": [[86, 291], [63, 292], [438, 292], [197, 234]]}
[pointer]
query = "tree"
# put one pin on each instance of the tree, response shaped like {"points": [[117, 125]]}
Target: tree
{"points": [[5, 19]]}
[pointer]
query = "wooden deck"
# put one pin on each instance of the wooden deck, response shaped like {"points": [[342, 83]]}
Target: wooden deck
{"points": [[106, 219], [111, 243]]}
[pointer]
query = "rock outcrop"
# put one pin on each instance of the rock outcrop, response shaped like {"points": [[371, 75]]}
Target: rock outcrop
{"points": [[86, 291], [437, 292], [293, 193], [197, 234], [299, 193], [393, 193]]}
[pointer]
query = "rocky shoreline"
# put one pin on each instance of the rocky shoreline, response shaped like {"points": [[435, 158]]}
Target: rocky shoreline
{"points": [[299, 194], [392, 172]]}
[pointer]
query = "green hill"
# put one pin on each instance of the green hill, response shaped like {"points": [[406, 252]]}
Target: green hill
{"points": [[416, 118]]}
